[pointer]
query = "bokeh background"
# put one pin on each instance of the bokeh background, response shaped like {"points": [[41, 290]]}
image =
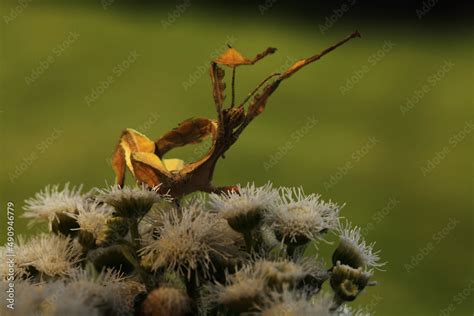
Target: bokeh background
{"points": [[383, 124]]}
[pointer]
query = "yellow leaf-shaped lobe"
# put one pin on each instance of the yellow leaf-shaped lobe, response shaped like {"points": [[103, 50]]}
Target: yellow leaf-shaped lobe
{"points": [[133, 141], [173, 165], [232, 57], [130, 141], [118, 165], [149, 169]]}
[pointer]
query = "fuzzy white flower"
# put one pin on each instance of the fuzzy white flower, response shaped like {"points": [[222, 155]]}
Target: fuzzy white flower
{"points": [[64, 302], [258, 280], [28, 298], [131, 202], [268, 237], [116, 291], [281, 273], [196, 200], [81, 279], [289, 303], [154, 219], [4, 264], [299, 218], [93, 217], [346, 310], [353, 250], [107, 293], [15, 256], [190, 240], [49, 254], [241, 293], [244, 208], [49, 204]]}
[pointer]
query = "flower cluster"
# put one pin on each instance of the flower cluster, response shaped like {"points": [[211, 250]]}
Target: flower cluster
{"points": [[135, 251]]}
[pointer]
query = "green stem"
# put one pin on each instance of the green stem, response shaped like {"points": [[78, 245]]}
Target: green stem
{"points": [[248, 241], [135, 236], [147, 280], [133, 224], [290, 249], [193, 290]]}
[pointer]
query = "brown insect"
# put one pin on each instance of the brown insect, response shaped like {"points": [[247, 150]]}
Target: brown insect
{"points": [[144, 158]]}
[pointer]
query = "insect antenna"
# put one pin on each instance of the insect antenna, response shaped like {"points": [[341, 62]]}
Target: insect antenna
{"points": [[259, 86]]}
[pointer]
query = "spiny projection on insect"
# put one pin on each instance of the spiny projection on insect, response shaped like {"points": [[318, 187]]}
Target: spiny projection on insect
{"points": [[144, 158]]}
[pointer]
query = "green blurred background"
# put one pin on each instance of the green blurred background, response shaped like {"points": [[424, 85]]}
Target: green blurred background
{"points": [[368, 149]]}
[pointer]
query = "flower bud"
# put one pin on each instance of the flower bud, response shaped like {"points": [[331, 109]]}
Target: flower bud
{"points": [[86, 239], [118, 257], [64, 224], [241, 296], [246, 222], [131, 202], [165, 301], [348, 255], [117, 228], [245, 207], [348, 282], [353, 250]]}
